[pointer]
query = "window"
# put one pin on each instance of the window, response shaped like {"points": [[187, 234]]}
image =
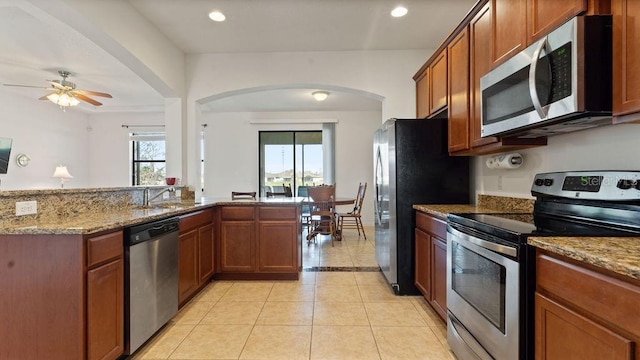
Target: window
{"points": [[290, 157], [148, 160]]}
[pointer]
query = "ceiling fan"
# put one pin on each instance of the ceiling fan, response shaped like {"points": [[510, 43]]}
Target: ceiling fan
{"points": [[64, 93]]}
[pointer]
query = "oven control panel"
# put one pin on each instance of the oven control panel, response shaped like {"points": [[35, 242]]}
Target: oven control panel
{"points": [[589, 185]]}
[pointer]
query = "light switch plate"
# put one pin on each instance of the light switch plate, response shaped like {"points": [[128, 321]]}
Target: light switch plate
{"points": [[26, 207]]}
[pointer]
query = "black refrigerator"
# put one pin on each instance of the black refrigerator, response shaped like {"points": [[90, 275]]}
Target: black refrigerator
{"points": [[411, 166]]}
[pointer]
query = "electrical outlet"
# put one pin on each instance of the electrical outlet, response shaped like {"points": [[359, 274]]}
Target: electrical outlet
{"points": [[165, 196], [26, 207]]}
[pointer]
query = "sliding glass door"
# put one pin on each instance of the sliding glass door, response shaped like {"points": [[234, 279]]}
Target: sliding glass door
{"points": [[290, 158]]}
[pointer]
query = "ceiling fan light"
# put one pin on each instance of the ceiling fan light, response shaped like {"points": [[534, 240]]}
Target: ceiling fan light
{"points": [[64, 100], [53, 98]]}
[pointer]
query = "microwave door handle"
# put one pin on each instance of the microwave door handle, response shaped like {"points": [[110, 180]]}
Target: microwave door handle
{"points": [[533, 91]]}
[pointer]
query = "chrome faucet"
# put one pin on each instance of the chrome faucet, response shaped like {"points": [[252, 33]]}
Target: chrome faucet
{"points": [[146, 200]]}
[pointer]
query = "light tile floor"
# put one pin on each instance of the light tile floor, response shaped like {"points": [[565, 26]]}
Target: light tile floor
{"points": [[323, 315]]}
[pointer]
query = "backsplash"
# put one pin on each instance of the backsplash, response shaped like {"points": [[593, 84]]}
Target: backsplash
{"points": [[72, 202], [508, 204]]}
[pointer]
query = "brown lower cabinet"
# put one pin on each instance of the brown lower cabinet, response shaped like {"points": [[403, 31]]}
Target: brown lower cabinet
{"points": [[62, 296], [258, 242], [582, 312], [431, 261], [195, 253]]}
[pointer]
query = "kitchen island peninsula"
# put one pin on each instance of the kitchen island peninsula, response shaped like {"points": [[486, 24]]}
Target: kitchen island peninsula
{"points": [[63, 277]]}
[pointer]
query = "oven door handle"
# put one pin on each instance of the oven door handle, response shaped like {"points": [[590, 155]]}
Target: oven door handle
{"points": [[465, 338], [502, 249], [533, 91]]}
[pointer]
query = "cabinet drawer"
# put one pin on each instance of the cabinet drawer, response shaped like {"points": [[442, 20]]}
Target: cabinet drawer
{"points": [[103, 248], [196, 219], [605, 297], [277, 213], [431, 224], [237, 213]]}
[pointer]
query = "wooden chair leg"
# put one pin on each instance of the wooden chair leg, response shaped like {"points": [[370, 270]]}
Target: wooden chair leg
{"points": [[359, 221]]}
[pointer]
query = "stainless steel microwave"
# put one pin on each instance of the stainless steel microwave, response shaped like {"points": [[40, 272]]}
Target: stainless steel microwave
{"points": [[559, 84]]}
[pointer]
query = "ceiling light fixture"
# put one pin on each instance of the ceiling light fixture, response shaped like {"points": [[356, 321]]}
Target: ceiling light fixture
{"points": [[320, 95], [399, 11], [217, 16], [63, 99]]}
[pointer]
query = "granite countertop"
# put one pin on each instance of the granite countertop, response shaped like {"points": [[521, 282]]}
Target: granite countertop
{"points": [[89, 222], [441, 211], [618, 254], [486, 204]]}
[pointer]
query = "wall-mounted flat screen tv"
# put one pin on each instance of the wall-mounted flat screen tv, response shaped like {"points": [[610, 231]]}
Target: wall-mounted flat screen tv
{"points": [[5, 152]]}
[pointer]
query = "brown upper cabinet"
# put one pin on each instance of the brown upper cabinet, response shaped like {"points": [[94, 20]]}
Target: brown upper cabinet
{"points": [[438, 84], [422, 95], [508, 30], [458, 51], [545, 15], [492, 32], [509, 34], [626, 68]]}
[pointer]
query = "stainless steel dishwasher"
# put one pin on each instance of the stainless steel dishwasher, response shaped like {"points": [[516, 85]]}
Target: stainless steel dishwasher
{"points": [[151, 279]]}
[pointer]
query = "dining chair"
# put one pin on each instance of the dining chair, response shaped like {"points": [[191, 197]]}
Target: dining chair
{"points": [[306, 209], [322, 212], [353, 219], [286, 192], [247, 195]]}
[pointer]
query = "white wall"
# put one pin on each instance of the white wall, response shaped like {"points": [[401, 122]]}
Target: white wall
{"points": [[607, 148], [231, 150], [388, 74], [109, 157], [49, 137]]}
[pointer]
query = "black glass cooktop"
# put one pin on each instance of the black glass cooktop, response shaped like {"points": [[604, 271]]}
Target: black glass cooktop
{"points": [[517, 227]]}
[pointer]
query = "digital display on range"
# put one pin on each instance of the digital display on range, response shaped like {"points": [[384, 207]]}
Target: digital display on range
{"points": [[582, 183]]}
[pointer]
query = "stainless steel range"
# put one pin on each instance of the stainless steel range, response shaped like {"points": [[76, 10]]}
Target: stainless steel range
{"points": [[491, 269]]}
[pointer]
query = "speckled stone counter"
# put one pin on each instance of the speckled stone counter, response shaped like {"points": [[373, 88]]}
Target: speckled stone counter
{"points": [[620, 255], [486, 204], [93, 219]]}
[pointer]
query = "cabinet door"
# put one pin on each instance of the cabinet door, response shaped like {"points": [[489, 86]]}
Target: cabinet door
{"points": [[237, 246], [105, 303], [546, 15], [277, 246], [423, 263], [205, 253], [438, 87], [508, 29], [439, 275], [626, 67], [563, 334], [480, 36], [422, 95], [458, 67], [187, 265]]}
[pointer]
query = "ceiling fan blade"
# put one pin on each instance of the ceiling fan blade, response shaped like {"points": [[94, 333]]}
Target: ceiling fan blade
{"points": [[87, 99], [58, 86], [45, 96], [29, 86], [94, 93]]}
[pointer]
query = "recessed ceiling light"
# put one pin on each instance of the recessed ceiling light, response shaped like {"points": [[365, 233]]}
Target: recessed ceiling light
{"points": [[399, 11], [217, 16]]}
